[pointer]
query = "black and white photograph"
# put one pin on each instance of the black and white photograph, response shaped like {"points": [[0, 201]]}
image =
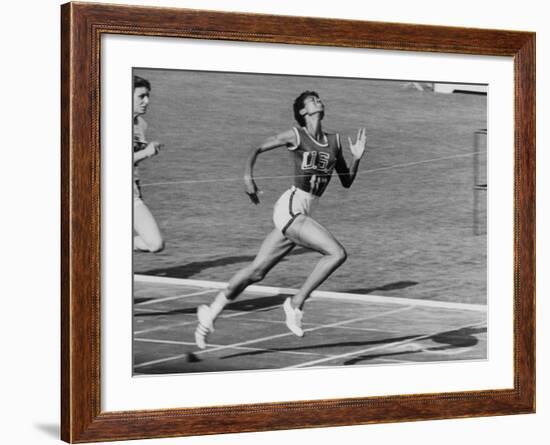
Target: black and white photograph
{"points": [[286, 221], [140, 196]]}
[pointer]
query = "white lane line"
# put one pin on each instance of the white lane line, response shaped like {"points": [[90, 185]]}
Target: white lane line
{"points": [[194, 321], [272, 291], [379, 347], [175, 297], [166, 327], [272, 337], [259, 320], [372, 170], [392, 360], [386, 331], [244, 348]]}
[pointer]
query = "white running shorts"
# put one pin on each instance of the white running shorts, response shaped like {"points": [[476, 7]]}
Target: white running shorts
{"points": [[292, 203]]}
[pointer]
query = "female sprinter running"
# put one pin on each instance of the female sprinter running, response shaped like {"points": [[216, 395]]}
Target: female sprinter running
{"points": [[148, 237], [316, 154]]}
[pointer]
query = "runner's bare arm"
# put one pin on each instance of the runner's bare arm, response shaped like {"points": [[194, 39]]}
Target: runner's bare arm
{"points": [[151, 149], [285, 139], [347, 174]]}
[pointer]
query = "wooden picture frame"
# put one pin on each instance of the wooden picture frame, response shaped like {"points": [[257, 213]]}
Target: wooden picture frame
{"points": [[82, 26]]}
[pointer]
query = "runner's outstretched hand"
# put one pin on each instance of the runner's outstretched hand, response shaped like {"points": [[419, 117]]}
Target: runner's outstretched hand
{"points": [[358, 148]]}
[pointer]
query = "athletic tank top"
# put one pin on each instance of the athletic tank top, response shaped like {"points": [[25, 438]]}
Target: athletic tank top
{"points": [[140, 127], [314, 161]]}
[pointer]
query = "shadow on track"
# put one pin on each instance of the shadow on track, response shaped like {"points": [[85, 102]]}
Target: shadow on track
{"points": [[390, 286], [461, 338], [195, 267], [322, 346]]}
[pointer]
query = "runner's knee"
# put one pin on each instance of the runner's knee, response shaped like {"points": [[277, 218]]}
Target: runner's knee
{"points": [[339, 254]]}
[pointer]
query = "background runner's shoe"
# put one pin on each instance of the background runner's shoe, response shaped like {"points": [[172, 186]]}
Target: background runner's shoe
{"points": [[293, 318], [205, 327]]}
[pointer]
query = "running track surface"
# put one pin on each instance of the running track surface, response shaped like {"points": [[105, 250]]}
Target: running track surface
{"points": [[341, 330]]}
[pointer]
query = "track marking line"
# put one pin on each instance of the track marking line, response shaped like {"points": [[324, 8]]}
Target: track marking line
{"points": [[271, 337], [350, 328], [379, 347], [281, 322], [147, 311], [244, 348], [436, 351], [175, 297], [194, 321], [372, 170], [272, 291], [391, 360]]}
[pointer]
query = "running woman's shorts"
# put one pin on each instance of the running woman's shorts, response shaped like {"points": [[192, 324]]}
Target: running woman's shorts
{"points": [[292, 203]]}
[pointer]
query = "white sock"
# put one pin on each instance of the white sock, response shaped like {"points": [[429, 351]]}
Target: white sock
{"points": [[218, 304]]}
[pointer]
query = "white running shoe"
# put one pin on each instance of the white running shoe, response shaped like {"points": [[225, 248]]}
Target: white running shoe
{"points": [[205, 326], [293, 318]]}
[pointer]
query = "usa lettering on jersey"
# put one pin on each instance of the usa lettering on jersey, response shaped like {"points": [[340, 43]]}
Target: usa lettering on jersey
{"points": [[315, 160]]}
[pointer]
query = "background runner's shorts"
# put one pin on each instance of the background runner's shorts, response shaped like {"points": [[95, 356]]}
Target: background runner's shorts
{"points": [[292, 203]]}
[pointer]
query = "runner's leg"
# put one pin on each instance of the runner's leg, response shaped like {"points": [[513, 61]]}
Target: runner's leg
{"points": [[307, 232], [272, 250], [148, 236]]}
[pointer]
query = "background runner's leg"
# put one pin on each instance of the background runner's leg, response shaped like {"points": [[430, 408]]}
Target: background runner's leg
{"points": [[307, 232], [148, 236]]}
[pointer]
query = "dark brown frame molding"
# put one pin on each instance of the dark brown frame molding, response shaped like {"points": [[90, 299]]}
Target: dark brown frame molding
{"points": [[82, 26]]}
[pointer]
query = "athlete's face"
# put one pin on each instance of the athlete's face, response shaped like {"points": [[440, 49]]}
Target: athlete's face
{"points": [[313, 105], [141, 100]]}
